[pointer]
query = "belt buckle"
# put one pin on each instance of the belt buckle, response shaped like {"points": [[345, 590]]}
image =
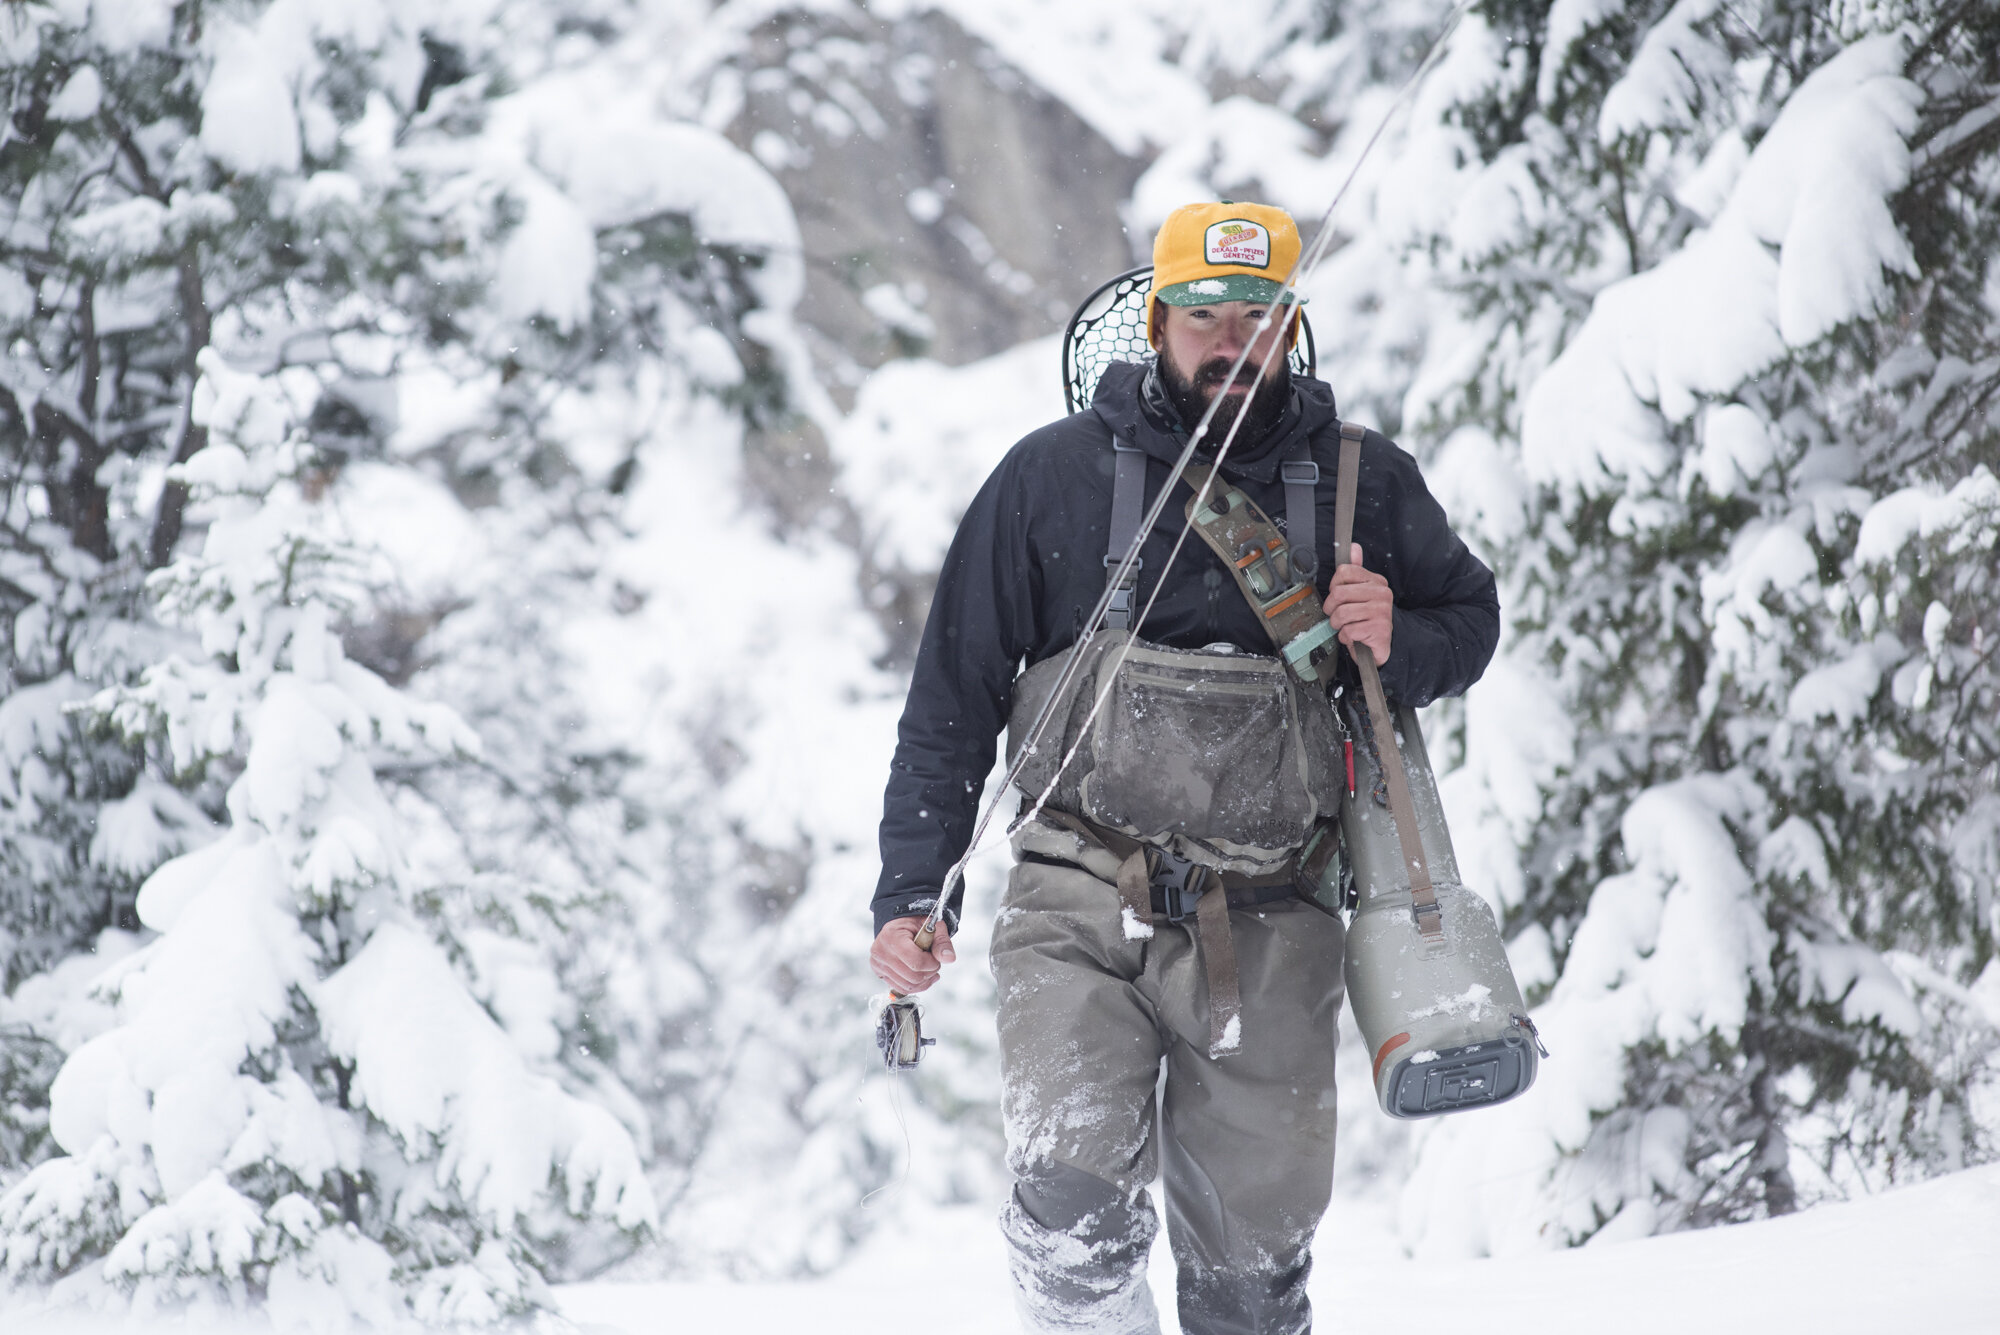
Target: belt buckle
{"points": [[1179, 881]]}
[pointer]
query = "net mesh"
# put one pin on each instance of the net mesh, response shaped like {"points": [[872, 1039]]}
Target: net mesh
{"points": [[1110, 326]]}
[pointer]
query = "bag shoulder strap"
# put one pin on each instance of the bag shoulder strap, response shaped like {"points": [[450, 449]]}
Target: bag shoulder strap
{"points": [[1345, 485], [1128, 510], [1423, 895]]}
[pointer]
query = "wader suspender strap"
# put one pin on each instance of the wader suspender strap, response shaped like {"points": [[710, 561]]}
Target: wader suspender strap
{"points": [[1128, 510], [1423, 896], [1301, 476]]}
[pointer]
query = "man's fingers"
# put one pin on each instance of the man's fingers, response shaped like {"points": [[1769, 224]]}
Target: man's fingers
{"points": [[902, 975], [1360, 592], [1358, 602], [907, 983], [1361, 606], [897, 960]]}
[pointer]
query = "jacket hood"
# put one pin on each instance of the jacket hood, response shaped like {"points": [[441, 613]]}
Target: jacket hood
{"points": [[1134, 405]]}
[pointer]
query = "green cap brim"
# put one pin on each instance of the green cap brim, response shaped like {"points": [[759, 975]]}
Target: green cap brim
{"points": [[1226, 287]]}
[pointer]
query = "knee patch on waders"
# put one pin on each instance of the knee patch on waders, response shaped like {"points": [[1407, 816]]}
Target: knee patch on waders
{"points": [[1061, 1199], [1078, 1249]]}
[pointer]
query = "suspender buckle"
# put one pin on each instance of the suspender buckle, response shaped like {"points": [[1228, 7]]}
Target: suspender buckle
{"points": [[1299, 472], [1124, 595], [1118, 612]]}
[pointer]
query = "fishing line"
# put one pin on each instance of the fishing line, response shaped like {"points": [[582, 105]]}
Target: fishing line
{"points": [[909, 1147], [1314, 255]]}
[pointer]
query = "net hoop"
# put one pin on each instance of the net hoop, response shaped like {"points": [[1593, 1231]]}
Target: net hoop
{"points": [[1110, 326]]}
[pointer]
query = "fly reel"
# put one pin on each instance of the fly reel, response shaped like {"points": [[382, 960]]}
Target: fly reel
{"points": [[899, 1032]]}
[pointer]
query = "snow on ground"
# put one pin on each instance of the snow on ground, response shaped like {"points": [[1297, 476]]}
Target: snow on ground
{"points": [[1915, 1259], [1918, 1258]]}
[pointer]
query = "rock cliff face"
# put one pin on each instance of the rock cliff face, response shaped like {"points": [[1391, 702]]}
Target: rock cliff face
{"points": [[949, 207]]}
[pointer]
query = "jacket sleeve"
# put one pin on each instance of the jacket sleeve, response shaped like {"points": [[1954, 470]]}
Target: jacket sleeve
{"points": [[981, 624], [1447, 618]]}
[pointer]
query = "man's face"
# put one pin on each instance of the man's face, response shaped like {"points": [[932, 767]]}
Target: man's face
{"points": [[1198, 345]]}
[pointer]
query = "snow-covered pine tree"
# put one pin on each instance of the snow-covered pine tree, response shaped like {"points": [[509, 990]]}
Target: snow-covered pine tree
{"points": [[526, 315], [1715, 396], [155, 198], [421, 218], [301, 1101], [91, 389]]}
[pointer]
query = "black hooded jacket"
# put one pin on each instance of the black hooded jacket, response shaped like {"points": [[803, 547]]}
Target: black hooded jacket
{"points": [[1027, 566]]}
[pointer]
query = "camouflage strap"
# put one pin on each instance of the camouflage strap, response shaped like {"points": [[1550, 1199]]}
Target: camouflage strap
{"points": [[1423, 895], [1257, 554]]}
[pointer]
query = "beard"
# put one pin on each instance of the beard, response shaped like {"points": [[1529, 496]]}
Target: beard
{"points": [[1191, 396]]}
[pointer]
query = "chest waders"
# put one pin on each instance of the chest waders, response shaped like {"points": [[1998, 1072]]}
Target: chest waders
{"points": [[1427, 973]]}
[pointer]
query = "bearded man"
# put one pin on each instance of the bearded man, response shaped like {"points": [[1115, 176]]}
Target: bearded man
{"points": [[1099, 993]]}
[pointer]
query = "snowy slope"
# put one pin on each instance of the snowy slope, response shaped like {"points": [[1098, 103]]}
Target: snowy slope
{"points": [[1916, 1259]]}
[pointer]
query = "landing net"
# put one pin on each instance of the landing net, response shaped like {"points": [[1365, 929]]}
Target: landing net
{"points": [[1110, 326]]}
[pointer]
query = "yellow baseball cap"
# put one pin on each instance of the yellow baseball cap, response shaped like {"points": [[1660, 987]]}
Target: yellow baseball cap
{"points": [[1206, 253]]}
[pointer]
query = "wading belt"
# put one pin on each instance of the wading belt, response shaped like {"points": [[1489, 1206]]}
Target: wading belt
{"points": [[1152, 882]]}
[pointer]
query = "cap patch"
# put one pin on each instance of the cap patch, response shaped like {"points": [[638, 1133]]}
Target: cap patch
{"points": [[1238, 241]]}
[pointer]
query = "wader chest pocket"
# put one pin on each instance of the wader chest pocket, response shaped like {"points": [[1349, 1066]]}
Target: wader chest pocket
{"points": [[1225, 751], [1209, 751]]}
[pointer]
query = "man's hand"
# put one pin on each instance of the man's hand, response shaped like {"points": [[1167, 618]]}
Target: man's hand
{"points": [[898, 962], [1361, 607]]}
